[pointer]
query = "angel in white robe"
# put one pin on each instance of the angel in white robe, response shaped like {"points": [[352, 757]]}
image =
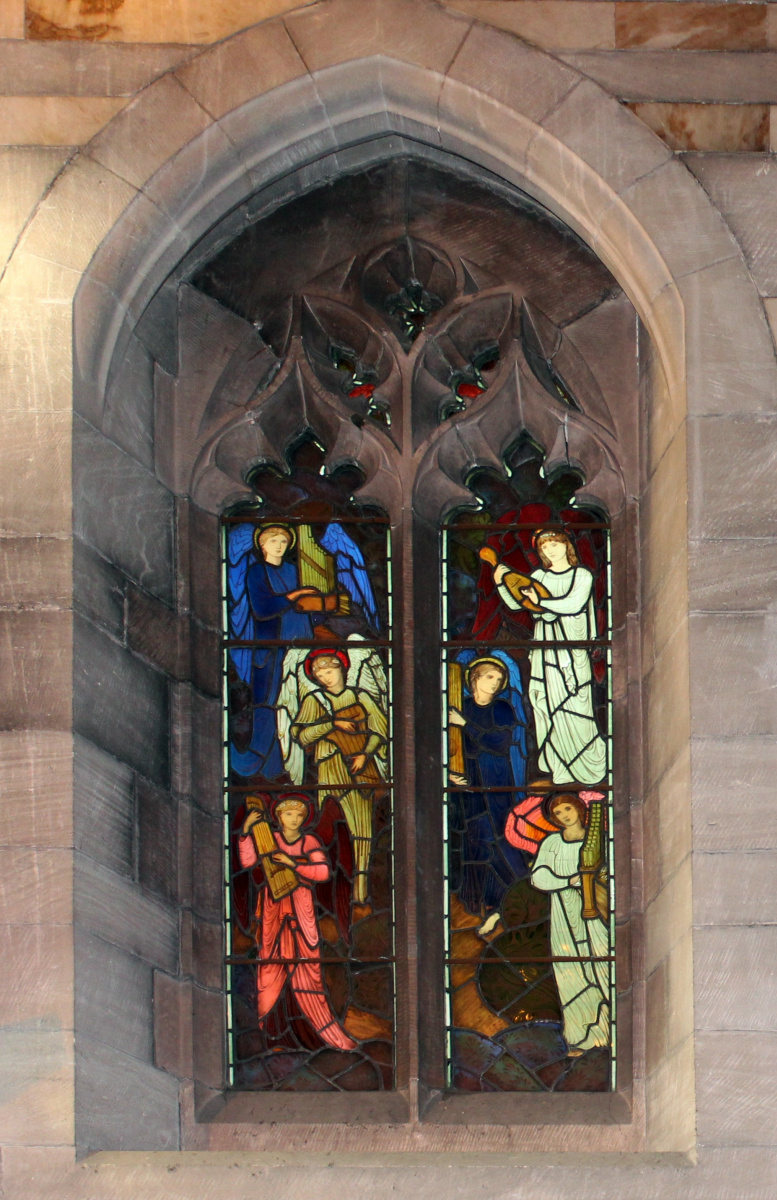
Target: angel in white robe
{"points": [[332, 701], [571, 749]]}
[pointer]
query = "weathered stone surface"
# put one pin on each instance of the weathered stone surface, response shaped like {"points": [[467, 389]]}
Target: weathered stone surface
{"points": [[208, 951], [729, 1064], [122, 511], [119, 912], [36, 1093], [157, 633], [741, 650], [77, 68], [129, 405], [54, 120], [38, 964], [744, 191], [113, 996], [152, 129], [732, 575], [206, 717], [735, 975], [668, 918], [204, 567], [157, 841], [552, 24], [742, 768], [123, 1104], [98, 589], [208, 865], [12, 19], [35, 886], [35, 656], [732, 463], [667, 707], [120, 703], [35, 571], [753, 901], [26, 508], [24, 175], [36, 785], [173, 1042], [729, 78], [133, 21], [208, 1014], [666, 826], [103, 808]]}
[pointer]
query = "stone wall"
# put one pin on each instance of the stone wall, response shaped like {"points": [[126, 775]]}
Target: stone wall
{"points": [[130, 129]]}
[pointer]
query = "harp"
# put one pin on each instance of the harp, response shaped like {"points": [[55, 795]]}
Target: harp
{"points": [[316, 567], [456, 762], [281, 880], [593, 876]]}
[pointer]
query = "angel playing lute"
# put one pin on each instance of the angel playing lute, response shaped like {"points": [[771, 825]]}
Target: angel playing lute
{"points": [[332, 703]]}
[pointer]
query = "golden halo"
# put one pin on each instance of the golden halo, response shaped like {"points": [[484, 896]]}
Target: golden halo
{"points": [[274, 525], [493, 661]]}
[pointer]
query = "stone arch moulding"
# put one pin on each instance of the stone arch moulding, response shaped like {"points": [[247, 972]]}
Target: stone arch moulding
{"points": [[317, 92]]}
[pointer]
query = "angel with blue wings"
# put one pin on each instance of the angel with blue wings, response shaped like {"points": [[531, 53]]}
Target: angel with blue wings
{"points": [[267, 604], [333, 705], [493, 719]]}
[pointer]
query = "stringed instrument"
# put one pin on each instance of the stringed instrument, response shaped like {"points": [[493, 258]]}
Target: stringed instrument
{"points": [[593, 876], [281, 880], [514, 581]]}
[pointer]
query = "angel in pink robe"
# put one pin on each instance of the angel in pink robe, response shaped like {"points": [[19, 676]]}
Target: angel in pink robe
{"points": [[289, 927]]}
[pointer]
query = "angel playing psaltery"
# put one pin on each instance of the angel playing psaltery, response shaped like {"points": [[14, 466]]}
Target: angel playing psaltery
{"points": [[332, 703], [275, 599]]}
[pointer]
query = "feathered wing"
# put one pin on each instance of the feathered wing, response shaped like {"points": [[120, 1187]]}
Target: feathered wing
{"points": [[351, 570], [367, 674], [240, 556], [293, 689]]}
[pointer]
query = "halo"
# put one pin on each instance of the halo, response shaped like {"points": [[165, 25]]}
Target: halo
{"points": [[326, 652], [493, 661], [275, 525]]}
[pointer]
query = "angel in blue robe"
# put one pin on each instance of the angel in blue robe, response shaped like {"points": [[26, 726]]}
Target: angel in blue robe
{"points": [[483, 864], [266, 603]]}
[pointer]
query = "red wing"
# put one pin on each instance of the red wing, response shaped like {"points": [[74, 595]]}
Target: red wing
{"points": [[334, 896]]}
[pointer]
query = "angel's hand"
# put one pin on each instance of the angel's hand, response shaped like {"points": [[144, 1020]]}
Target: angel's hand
{"points": [[500, 570], [357, 763], [531, 594], [574, 881], [251, 820], [344, 724], [455, 717], [280, 857], [303, 591], [458, 780]]}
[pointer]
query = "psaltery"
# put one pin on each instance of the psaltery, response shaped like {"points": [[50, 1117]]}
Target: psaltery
{"points": [[456, 763], [593, 876], [281, 880]]}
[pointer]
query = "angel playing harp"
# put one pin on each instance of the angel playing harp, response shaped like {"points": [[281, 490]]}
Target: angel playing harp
{"points": [[332, 703], [273, 600]]}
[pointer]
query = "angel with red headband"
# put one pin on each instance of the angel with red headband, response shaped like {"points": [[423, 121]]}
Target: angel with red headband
{"points": [[332, 703], [290, 940]]}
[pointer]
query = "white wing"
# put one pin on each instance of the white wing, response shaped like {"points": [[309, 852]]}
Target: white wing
{"points": [[367, 674], [294, 687]]}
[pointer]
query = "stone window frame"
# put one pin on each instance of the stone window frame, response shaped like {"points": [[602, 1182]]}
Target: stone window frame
{"points": [[492, 112]]}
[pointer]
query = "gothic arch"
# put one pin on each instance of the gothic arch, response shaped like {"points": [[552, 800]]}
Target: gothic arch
{"points": [[291, 102]]}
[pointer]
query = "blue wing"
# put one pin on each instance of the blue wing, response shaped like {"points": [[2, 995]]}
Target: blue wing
{"points": [[240, 556], [351, 570], [514, 693]]}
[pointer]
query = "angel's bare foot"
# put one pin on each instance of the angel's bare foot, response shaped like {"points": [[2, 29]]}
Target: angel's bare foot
{"points": [[489, 924], [574, 1052]]}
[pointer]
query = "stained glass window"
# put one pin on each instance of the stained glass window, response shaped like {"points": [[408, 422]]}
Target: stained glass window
{"points": [[308, 786], [527, 757]]}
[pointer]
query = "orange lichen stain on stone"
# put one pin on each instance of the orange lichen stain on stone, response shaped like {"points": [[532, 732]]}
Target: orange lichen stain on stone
{"points": [[724, 128], [667, 25], [45, 28]]}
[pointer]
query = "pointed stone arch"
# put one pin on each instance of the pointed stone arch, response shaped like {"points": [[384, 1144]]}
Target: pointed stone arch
{"points": [[289, 103]]}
